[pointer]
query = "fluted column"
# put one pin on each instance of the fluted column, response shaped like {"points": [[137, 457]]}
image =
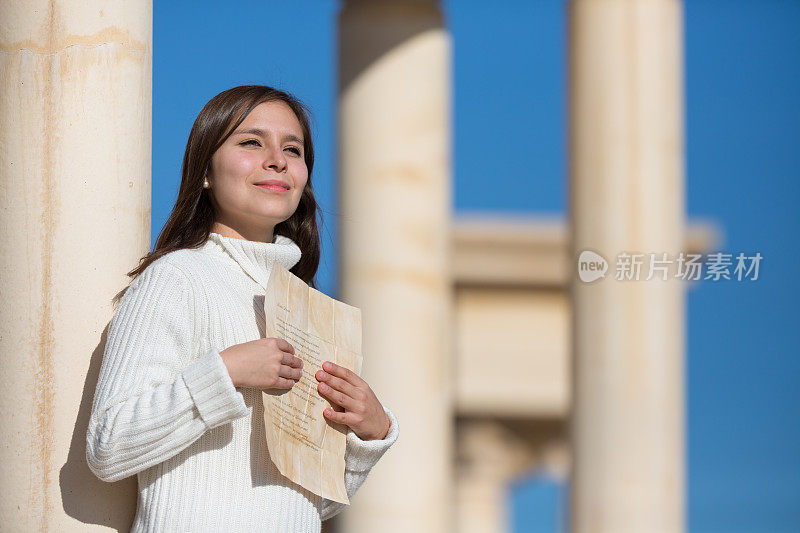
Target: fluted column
{"points": [[627, 195], [394, 155], [75, 106]]}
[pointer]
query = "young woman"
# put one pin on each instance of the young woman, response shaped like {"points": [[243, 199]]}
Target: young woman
{"points": [[178, 401]]}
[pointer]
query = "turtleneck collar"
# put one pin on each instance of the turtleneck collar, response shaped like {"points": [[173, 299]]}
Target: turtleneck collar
{"points": [[256, 258]]}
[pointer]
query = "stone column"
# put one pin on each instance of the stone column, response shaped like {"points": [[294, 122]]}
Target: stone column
{"points": [[627, 195], [395, 199], [75, 110]]}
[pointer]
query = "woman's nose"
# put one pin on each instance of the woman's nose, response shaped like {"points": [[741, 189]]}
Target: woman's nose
{"points": [[275, 160]]}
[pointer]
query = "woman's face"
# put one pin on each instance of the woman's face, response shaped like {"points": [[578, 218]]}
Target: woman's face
{"points": [[267, 149]]}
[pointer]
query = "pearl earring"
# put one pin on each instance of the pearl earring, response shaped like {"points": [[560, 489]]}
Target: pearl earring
{"points": [[206, 185]]}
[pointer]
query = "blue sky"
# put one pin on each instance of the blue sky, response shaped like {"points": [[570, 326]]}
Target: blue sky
{"points": [[742, 131]]}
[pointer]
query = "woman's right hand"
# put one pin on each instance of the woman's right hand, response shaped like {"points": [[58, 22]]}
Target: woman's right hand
{"points": [[263, 364]]}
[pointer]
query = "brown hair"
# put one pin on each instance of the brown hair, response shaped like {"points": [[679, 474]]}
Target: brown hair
{"points": [[190, 222]]}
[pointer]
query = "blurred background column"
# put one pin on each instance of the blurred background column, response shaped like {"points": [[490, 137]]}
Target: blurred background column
{"points": [[75, 105], [395, 198], [627, 195]]}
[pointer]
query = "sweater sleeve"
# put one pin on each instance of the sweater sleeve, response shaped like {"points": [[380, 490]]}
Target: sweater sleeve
{"points": [[360, 457], [154, 397]]}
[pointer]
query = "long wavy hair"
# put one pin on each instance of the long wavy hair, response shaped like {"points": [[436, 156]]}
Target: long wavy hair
{"points": [[192, 217]]}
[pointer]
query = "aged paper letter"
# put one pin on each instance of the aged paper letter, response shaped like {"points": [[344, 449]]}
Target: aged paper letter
{"points": [[307, 448]]}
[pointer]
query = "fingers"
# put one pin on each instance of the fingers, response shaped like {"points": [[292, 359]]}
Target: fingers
{"points": [[338, 389], [291, 360], [283, 383], [337, 397], [343, 373], [284, 346], [288, 354], [337, 384], [289, 372], [337, 416]]}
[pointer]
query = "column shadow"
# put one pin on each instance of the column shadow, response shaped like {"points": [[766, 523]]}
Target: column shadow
{"points": [[83, 495]]}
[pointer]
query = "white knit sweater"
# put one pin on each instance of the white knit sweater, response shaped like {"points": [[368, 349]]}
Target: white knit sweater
{"points": [[165, 407]]}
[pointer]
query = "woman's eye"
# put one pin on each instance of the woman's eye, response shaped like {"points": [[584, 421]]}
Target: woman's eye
{"points": [[250, 142], [294, 150]]}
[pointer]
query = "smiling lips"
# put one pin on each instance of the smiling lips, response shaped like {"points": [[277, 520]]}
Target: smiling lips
{"points": [[273, 185]]}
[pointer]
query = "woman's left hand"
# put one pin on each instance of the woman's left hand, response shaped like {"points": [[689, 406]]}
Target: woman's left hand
{"points": [[363, 412]]}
